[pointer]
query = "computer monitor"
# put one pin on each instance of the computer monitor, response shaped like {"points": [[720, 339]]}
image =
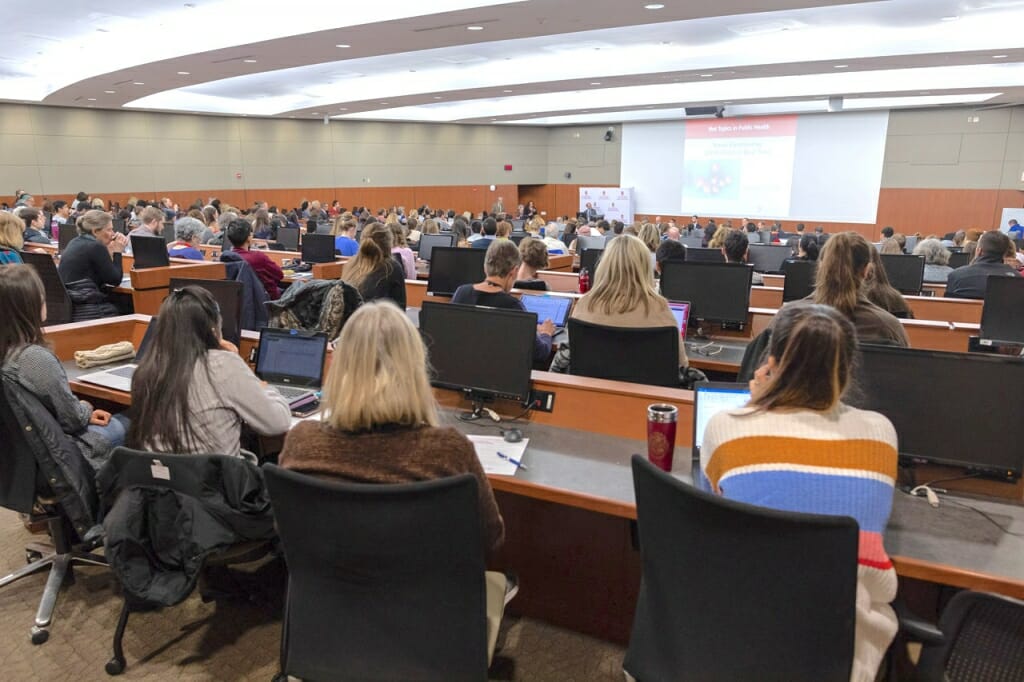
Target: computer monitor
{"points": [[768, 258], [958, 259], [799, 282], [589, 241], [288, 237], [429, 241], [692, 242], [451, 267], [120, 225], [906, 273], [323, 228], [317, 248], [911, 387], [911, 242], [168, 231], [1002, 317], [518, 237], [518, 225], [448, 329], [65, 233], [717, 292], [149, 252], [694, 255], [58, 305], [589, 259], [228, 295]]}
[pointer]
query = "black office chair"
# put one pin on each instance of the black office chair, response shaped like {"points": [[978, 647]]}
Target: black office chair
{"points": [[982, 641], [642, 356], [736, 592], [58, 303], [168, 517], [43, 474], [385, 582]]}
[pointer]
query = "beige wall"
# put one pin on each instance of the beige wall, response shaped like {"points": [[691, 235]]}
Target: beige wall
{"points": [[946, 149]]}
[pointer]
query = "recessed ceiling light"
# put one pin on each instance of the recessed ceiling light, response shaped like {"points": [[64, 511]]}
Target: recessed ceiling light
{"points": [[110, 92], [999, 56], [343, 46], [951, 17], [343, 109], [596, 83], [654, 5], [438, 97], [249, 61], [840, 66], [506, 91], [184, 73], [474, 28], [383, 104], [92, 99], [138, 83], [707, 75], [315, 113]]}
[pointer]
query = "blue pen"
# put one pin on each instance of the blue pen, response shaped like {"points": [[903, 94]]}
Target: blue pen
{"points": [[519, 465]]}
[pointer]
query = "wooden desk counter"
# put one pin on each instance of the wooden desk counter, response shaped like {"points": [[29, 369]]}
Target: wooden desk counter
{"points": [[150, 286]]}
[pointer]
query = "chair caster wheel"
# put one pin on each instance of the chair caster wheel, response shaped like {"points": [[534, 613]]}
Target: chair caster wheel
{"points": [[39, 635], [32, 556], [115, 666], [280, 677]]}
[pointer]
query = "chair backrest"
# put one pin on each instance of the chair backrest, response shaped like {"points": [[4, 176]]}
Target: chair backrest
{"points": [[645, 356], [799, 282], [58, 304], [736, 592], [385, 582], [17, 463], [983, 641]]}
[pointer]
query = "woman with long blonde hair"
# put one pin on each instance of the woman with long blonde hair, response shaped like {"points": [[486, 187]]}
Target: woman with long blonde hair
{"points": [[373, 270], [623, 295]]}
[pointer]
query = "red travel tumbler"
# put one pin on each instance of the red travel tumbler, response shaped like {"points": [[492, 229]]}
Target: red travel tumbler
{"points": [[661, 434]]}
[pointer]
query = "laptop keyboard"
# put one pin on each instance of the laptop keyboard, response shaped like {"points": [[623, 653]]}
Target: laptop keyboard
{"points": [[290, 393], [125, 372]]}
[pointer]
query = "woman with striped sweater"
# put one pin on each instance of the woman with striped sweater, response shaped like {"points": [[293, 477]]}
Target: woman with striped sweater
{"points": [[797, 447]]}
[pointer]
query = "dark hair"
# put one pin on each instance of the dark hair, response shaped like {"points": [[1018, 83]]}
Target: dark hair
{"points": [[841, 268], [735, 246], [809, 245], [887, 232], [21, 298], [800, 227], [670, 250], [751, 227], [187, 327], [29, 215], [490, 226], [993, 245], [59, 204], [238, 232], [814, 347]]}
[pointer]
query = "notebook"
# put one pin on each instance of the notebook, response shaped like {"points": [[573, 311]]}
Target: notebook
{"points": [[554, 308], [292, 362], [120, 378]]}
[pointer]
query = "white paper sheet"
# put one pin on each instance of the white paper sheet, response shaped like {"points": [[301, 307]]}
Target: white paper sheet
{"points": [[487, 449]]}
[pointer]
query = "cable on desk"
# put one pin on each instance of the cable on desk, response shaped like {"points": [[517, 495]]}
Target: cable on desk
{"points": [[985, 515]]}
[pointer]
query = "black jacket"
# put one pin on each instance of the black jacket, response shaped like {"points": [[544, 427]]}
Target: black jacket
{"points": [[254, 314], [159, 531], [971, 280], [86, 258], [88, 302]]}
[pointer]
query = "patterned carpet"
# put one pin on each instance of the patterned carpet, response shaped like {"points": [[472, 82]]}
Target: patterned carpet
{"points": [[233, 640]]}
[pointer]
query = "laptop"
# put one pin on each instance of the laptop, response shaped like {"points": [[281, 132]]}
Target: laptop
{"points": [[681, 311], [149, 252], [292, 362], [120, 378], [710, 398], [554, 308]]}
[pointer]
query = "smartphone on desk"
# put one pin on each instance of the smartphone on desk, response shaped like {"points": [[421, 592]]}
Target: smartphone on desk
{"points": [[306, 410]]}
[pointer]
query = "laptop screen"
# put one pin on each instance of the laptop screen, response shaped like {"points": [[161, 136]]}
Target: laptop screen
{"points": [[554, 308], [711, 398], [289, 356], [681, 311]]}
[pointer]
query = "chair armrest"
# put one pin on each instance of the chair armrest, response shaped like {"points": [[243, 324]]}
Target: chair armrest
{"points": [[914, 628]]}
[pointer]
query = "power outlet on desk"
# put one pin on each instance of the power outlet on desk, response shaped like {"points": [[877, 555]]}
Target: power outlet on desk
{"points": [[542, 401]]}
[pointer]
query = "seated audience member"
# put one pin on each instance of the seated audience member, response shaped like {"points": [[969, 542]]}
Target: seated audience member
{"points": [[569, 233], [489, 232], [192, 390], [187, 232], [623, 295], [374, 271], [35, 231], [501, 266], [12, 238], [1013, 258], [971, 280], [891, 247], [152, 225], [88, 263], [815, 454], [735, 248], [223, 220], [807, 248], [400, 248], [839, 282], [212, 228], [668, 250], [380, 423], [651, 238], [881, 292], [239, 234], [25, 353], [582, 231], [345, 240], [672, 233], [887, 233], [261, 224], [936, 260], [534, 254], [460, 228], [504, 230]]}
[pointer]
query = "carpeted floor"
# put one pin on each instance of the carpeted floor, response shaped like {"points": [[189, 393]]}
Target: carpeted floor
{"points": [[234, 640]]}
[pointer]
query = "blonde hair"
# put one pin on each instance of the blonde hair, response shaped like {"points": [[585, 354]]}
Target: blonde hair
{"points": [[93, 221], [504, 229], [650, 236], [430, 227], [382, 378], [624, 280], [398, 236], [12, 231], [718, 238], [392, 218], [342, 224], [891, 246]]}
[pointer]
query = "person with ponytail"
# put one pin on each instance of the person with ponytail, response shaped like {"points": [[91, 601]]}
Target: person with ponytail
{"points": [[882, 293], [807, 248], [374, 271], [839, 282], [798, 447]]}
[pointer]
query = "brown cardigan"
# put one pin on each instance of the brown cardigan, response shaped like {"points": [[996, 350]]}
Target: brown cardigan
{"points": [[394, 455]]}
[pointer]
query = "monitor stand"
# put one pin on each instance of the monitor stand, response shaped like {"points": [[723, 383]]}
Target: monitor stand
{"points": [[478, 411]]}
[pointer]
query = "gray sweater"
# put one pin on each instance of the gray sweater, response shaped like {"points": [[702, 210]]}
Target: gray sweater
{"points": [[229, 395]]}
